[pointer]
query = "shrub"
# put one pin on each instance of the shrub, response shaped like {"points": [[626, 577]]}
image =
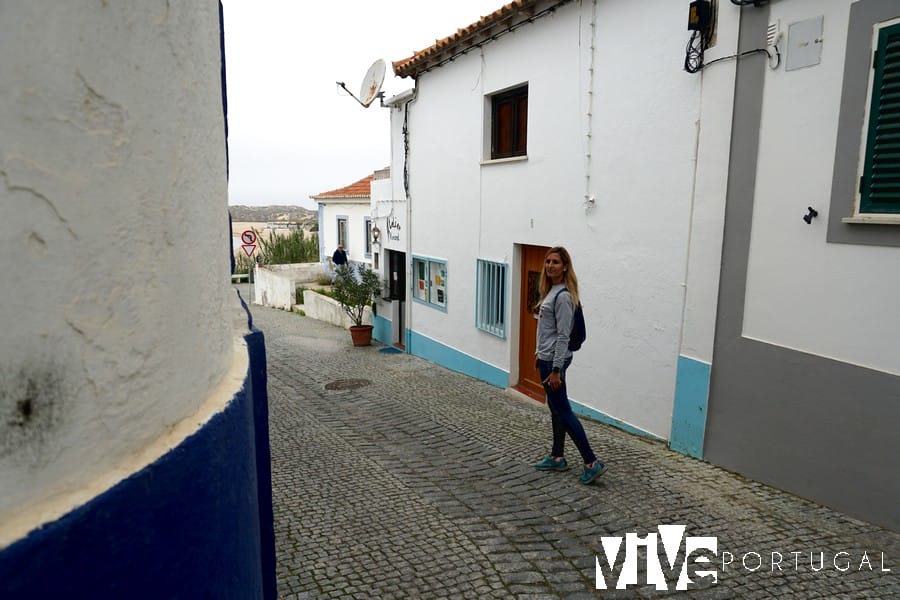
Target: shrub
{"points": [[289, 249], [242, 264], [355, 290]]}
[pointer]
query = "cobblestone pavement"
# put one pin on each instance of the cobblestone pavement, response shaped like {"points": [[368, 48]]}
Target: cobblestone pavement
{"points": [[396, 478]]}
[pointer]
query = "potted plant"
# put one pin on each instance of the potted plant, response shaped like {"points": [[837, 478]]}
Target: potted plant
{"points": [[355, 290]]}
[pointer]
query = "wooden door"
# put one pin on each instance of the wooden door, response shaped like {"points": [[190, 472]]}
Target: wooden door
{"points": [[532, 263]]}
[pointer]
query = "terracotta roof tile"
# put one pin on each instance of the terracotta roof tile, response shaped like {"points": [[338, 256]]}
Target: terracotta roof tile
{"points": [[489, 27], [357, 189]]}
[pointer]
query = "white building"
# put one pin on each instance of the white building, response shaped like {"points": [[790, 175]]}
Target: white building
{"points": [[344, 218], [575, 123]]}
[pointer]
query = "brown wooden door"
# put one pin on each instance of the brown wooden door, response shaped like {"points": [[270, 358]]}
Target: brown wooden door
{"points": [[532, 262]]}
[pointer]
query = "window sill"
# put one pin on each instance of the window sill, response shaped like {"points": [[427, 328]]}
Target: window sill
{"points": [[498, 161], [872, 220]]}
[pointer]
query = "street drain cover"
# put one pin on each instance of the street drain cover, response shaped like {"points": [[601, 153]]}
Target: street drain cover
{"points": [[347, 384]]}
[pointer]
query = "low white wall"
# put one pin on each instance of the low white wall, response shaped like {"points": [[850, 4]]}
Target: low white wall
{"points": [[276, 285], [299, 272], [327, 309]]}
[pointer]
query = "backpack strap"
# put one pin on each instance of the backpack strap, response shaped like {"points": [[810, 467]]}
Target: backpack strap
{"points": [[556, 297]]}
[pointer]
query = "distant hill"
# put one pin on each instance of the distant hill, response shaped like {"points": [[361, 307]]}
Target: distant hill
{"points": [[269, 214]]}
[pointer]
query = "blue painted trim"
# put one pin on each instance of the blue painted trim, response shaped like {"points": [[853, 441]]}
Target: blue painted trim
{"points": [[479, 299], [367, 243], [337, 222], [689, 411], [596, 415], [414, 279], [259, 394], [381, 329], [454, 360], [194, 524]]}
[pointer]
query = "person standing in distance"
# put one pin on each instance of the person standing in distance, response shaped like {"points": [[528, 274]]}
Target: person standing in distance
{"points": [[339, 257], [559, 296]]}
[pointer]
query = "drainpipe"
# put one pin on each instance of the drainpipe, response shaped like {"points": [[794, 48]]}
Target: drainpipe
{"points": [[407, 321], [405, 99]]}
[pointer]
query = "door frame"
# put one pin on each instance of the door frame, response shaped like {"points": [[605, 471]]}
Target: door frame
{"points": [[527, 379]]}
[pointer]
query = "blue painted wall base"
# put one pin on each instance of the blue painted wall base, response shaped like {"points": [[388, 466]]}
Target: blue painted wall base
{"points": [[689, 412], [381, 329], [454, 360], [197, 523]]}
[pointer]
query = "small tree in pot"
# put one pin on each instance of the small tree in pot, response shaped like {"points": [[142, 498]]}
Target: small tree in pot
{"points": [[355, 291]]}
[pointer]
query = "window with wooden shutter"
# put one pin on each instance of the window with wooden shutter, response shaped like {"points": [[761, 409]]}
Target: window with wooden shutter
{"points": [[879, 190], [509, 123]]}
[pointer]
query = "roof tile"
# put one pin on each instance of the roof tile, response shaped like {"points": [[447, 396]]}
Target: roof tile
{"points": [[482, 31], [357, 189]]}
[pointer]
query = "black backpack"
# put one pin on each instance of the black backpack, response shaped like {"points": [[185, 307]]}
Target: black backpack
{"points": [[579, 330]]}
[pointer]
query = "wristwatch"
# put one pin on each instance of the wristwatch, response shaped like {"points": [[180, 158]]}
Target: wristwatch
{"points": [[555, 370]]}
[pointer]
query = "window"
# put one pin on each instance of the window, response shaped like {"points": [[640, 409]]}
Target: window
{"points": [[368, 235], [490, 297], [509, 123], [865, 103], [342, 232], [879, 186], [430, 282]]}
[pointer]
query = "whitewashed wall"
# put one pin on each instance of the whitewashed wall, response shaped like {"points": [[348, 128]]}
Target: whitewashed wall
{"points": [[714, 121], [356, 212], [630, 247], [389, 212], [118, 320], [834, 300]]}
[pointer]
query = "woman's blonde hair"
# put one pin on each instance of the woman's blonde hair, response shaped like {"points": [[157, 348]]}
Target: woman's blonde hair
{"points": [[569, 278]]}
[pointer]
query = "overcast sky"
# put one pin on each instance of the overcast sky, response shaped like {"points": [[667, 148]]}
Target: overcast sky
{"points": [[292, 132]]}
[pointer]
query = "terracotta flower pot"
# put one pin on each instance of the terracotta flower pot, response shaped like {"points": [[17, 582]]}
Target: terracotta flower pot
{"points": [[361, 334]]}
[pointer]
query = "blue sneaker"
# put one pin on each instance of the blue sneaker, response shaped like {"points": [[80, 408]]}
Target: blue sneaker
{"points": [[592, 473], [548, 463]]}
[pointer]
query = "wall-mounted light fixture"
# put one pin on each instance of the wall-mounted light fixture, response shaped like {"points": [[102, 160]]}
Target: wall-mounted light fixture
{"points": [[376, 235]]}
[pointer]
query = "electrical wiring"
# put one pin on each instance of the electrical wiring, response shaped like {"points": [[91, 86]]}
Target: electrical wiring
{"points": [[777, 56], [693, 60]]}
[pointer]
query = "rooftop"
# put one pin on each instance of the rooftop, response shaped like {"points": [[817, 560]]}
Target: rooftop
{"points": [[503, 20], [358, 189]]}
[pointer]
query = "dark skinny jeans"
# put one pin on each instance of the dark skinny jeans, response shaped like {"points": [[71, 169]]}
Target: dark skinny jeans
{"points": [[561, 416]]}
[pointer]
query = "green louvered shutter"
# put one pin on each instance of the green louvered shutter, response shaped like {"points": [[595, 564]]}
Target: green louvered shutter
{"points": [[880, 185]]}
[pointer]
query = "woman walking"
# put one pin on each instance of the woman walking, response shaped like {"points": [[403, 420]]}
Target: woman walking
{"points": [[559, 297]]}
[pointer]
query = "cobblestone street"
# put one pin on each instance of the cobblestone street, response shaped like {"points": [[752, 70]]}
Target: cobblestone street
{"points": [[396, 478]]}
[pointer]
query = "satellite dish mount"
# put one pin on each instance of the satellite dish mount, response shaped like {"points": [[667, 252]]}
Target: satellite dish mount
{"points": [[371, 85]]}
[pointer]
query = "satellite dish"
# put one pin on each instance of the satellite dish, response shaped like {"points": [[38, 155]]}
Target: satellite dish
{"points": [[371, 85]]}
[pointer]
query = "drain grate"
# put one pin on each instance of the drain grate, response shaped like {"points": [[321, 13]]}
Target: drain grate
{"points": [[347, 384]]}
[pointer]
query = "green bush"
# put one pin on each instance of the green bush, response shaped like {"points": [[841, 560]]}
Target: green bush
{"points": [[242, 264], [355, 291], [298, 295], [289, 249], [323, 279]]}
